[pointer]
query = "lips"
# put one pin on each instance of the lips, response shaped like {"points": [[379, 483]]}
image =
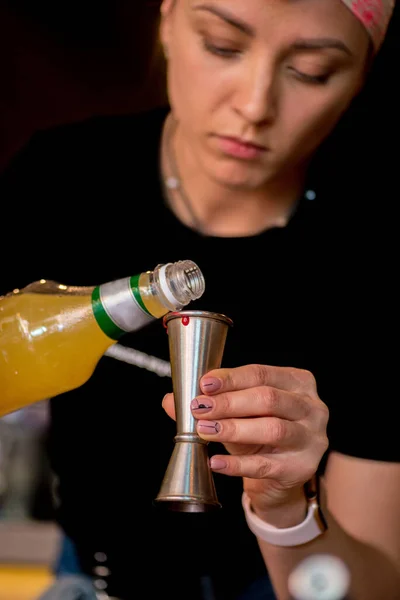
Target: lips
{"points": [[246, 143], [239, 148]]}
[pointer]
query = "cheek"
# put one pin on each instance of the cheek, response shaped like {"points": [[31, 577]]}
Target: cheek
{"points": [[310, 117], [196, 83]]}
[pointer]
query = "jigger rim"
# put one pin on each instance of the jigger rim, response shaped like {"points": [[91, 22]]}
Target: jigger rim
{"points": [[204, 314]]}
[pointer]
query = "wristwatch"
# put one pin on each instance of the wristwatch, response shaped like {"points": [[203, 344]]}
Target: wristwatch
{"points": [[312, 527]]}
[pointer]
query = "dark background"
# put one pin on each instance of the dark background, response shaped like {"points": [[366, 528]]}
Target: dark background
{"points": [[64, 60]]}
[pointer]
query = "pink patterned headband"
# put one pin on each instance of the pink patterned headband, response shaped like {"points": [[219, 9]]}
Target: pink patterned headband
{"points": [[374, 15]]}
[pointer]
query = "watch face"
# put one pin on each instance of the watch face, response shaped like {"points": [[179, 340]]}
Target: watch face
{"points": [[320, 577]]}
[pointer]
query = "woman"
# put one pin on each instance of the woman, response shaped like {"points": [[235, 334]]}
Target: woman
{"points": [[257, 173]]}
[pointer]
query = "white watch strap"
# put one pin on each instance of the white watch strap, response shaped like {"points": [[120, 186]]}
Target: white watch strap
{"points": [[300, 534]]}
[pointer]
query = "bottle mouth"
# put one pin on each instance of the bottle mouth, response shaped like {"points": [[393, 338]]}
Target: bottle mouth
{"points": [[181, 282]]}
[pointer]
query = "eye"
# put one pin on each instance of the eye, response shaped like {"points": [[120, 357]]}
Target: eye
{"points": [[321, 79], [220, 50]]}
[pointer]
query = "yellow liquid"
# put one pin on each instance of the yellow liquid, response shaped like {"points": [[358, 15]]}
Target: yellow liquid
{"points": [[49, 344], [151, 302]]}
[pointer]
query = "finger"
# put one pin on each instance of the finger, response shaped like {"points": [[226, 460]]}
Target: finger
{"points": [[254, 466], [261, 402], [169, 406], [249, 376], [267, 432]]}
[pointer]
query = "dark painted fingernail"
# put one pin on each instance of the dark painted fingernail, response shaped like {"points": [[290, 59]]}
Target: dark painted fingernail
{"points": [[209, 427], [202, 404], [211, 384]]}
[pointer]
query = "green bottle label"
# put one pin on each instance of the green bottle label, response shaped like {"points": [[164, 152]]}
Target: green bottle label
{"points": [[134, 285], [118, 307], [105, 323]]}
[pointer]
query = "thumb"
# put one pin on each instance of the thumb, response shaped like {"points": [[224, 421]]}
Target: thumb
{"points": [[168, 405]]}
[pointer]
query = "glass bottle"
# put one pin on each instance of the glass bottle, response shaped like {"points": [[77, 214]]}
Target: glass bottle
{"points": [[53, 335]]}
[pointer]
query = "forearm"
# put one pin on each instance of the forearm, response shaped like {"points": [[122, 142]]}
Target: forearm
{"points": [[373, 575]]}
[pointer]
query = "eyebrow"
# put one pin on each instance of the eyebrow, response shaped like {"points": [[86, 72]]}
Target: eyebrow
{"points": [[322, 44], [317, 44], [228, 18]]}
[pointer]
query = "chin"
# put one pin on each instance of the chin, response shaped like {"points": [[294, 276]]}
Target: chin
{"points": [[239, 177]]}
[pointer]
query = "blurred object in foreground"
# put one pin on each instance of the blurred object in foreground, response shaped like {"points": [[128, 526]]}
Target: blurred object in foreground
{"points": [[23, 582], [23, 465], [71, 587], [320, 577]]}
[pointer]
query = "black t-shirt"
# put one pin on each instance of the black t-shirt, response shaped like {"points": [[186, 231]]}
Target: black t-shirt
{"points": [[85, 206]]}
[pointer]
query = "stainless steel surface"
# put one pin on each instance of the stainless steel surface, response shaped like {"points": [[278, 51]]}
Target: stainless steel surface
{"points": [[196, 345]]}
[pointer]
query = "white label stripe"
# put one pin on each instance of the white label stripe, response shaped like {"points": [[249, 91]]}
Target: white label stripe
{"points": [[122, 307]]}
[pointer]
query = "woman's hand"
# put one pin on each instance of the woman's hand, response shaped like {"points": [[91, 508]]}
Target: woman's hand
{"points": [[273, 424]]}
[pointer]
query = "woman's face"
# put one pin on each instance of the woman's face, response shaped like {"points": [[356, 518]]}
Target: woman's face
{"points": [[257, 85]]}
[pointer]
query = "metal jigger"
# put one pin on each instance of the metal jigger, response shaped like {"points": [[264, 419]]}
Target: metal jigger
{"points": [[196, 345]]}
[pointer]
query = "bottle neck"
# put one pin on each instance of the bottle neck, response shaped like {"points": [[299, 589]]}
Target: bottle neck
{"points": [[118, 307], [129, 304]]}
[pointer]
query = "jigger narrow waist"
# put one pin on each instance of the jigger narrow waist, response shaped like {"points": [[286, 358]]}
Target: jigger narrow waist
{"points": [[189, 437]]}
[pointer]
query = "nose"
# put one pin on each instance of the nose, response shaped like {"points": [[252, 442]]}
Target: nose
{"points": [[256, 97]]}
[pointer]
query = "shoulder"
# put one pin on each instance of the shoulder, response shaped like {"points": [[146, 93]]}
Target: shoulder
{"points": [[356, 297], [360, 391]]}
